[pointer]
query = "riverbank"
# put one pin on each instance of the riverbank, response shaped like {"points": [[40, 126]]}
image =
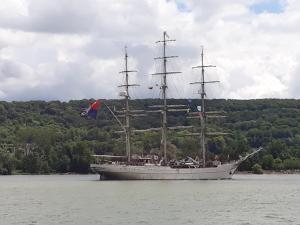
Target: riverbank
{"points": [[237, 172], [271, 172]]}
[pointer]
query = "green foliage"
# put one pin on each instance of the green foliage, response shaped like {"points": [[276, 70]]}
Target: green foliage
{"points": [[80, 156], [278, 149], [51, 137], [256, 169], [7, 162], [268, 162], [216, 144], [278, 165], [32, 163], [291, 163]]}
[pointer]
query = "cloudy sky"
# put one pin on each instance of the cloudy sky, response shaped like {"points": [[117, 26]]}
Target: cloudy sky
{"points": [[73, 49]]}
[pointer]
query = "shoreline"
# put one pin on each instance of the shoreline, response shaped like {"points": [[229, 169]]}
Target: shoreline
{"points": [[266, 172], [270, 172]]}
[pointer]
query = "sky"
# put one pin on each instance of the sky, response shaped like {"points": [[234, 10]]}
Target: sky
{"points": [[74, 49]]}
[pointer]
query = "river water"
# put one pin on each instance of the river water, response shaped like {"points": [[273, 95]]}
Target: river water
{"points": [[82, 199]]}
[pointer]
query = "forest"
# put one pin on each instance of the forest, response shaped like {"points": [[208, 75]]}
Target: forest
{"points": [[39, 137]]}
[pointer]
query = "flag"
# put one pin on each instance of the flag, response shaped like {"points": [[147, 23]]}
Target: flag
{"points": [[92, 110]]}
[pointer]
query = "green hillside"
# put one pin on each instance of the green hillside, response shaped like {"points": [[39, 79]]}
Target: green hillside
{"points": [[46, 137]]}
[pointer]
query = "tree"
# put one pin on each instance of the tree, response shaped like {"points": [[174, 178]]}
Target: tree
{"points": [[256, 169], [216, 145], [278, 149], [292, 163], [80, 156], [268, 162], [7, 162], [32, 163], [278, 165]]}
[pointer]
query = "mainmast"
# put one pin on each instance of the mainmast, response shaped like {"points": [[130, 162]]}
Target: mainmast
{"points": [[126, 112], [164, 87], [203, 113]]}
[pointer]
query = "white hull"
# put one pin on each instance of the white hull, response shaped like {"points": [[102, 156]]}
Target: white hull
{"points": [[156, 172], [127, 172]]}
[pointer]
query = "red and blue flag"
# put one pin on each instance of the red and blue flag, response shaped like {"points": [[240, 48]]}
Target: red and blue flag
{"points": [[92, 110]]}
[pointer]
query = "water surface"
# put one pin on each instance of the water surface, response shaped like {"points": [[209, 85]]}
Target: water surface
{"points": [[78, 200]]}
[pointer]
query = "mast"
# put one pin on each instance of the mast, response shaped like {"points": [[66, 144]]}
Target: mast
{"points": [[203, 113], [164, 97], [164, 87], [127, 119], [127, 113]]}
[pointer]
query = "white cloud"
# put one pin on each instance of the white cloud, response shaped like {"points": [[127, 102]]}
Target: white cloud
{"points": [[63, 49]]}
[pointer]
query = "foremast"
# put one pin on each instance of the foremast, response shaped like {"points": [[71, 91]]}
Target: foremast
{"points": [[127, 112]]}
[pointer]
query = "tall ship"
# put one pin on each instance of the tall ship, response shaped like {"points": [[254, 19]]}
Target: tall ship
{"points": [[162, 168]]}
